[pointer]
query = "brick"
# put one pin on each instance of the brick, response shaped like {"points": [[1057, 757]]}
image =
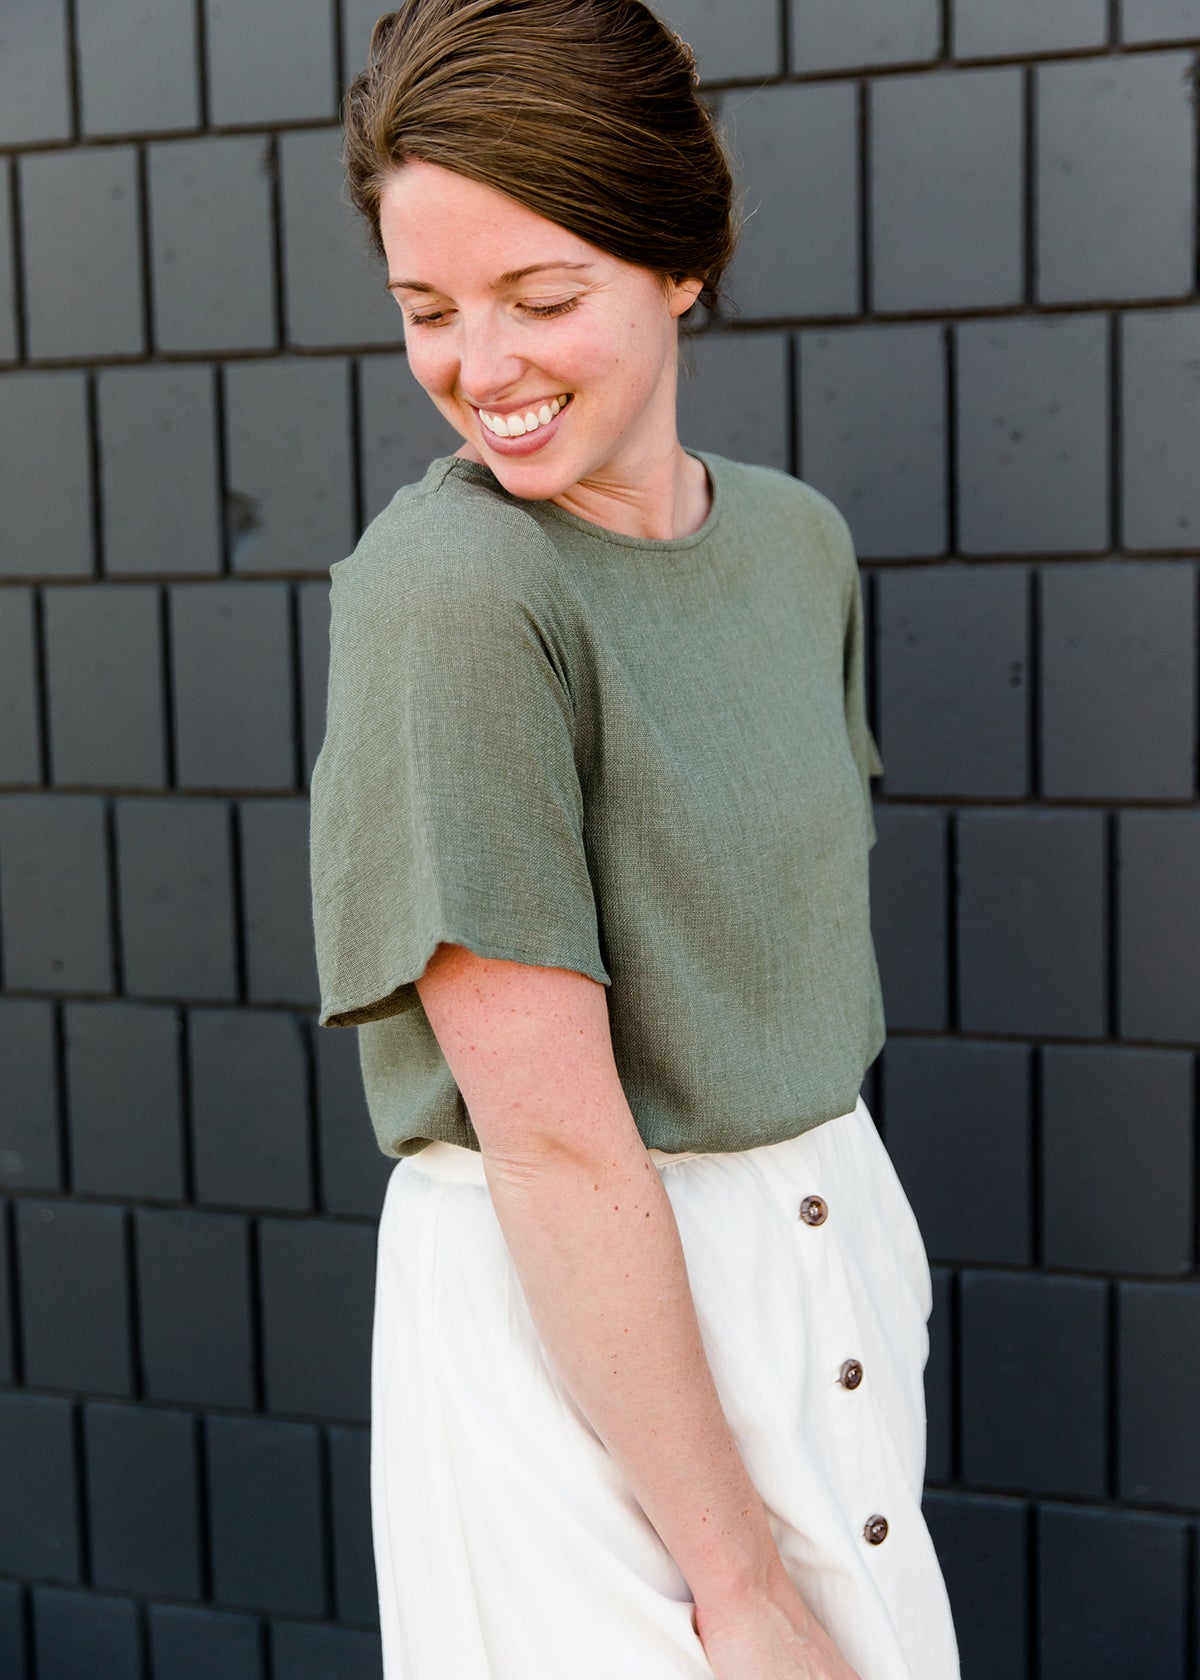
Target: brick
{"points": [[354, 1170], [1160, 20], [54, 901], [353, 1551], [938, 1377], [290, 473], [1158, 1374], [258, 73], [1021, 28], [14, 1655], [1116, 199], [198, 1644], [45, 501], [1034, 1352], [736, 401], [137, 70], [334, 286], [8, 277], [1158, 942], [980, 1543], [1112, 1594], [1118, 669], [104, 680], [946, 190], [908, 916], [827, 35], [250, 1108], [871, 421], [74, 1296], [300, 1651], [1032, 922], [30, 1153], [20, 735], [280, 959], [83, 296], [318, 1280], [177, 921], [401, 431], [798, 151], [954, 658], [158, 467], [730, 43], [85, 1636], [193, 1276], [1033, 435], [313, 612], [124, 1100], [1117, 1159], [34, 75], [212, 253], [7, 1340], [958, 1115], [231, 667], [265, 1490], [142, 1499], [1160, 381], [39, 1535], [358, 19]]}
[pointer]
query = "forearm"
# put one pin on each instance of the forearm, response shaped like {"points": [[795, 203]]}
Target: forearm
{"points": [[593, 1237]]}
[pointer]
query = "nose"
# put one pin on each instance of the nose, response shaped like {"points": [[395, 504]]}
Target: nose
{"points": [[488, 367]]}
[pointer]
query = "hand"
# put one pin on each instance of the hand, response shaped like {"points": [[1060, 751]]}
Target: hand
{"points": [[772, 1635]]}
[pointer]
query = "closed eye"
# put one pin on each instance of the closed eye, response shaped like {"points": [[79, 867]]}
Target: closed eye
{"points": [[541, 311]]}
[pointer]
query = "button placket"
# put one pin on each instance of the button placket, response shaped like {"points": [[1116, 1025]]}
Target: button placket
{"points": [[814, 1211]]}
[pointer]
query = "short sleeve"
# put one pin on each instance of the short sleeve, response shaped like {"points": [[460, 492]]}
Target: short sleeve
{"points": [[862, 741], [446, 802]]}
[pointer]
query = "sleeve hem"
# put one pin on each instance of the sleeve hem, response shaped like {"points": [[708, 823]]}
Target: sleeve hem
{"points": [[358, 1007]]}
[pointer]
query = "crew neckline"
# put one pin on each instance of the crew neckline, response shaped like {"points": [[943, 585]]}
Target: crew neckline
{"points": [[480, 473]]}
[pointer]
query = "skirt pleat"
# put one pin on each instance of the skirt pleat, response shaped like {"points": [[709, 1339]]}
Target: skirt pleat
{"points": [[508, 1545]]}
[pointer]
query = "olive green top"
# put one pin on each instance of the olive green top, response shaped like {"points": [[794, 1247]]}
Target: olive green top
{"points": [[645, 760]]}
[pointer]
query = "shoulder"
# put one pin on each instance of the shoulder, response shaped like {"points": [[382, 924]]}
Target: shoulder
{"points": [[449, 535], [767, 498]]}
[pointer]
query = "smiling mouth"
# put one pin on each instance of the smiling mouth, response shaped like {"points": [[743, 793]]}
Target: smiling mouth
{"points": [[524, 420]]}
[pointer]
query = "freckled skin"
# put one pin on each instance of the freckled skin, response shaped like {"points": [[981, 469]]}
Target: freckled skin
{"points": [[614, 457]]}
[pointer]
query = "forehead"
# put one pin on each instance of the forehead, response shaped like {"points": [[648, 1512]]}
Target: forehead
{"points": [[435, 224]]}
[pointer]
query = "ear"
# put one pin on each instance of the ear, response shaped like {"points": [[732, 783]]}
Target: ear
{"points": [[684, 294]]}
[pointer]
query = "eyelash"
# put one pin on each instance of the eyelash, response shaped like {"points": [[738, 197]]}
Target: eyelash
{"points": [[543, 312]]}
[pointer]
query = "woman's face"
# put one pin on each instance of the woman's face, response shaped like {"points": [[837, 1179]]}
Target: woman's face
{"points": [[554, 361]]}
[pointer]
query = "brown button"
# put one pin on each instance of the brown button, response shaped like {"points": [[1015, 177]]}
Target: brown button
{"points": [[875, 1529], [813, 1210], [851, 1373]]}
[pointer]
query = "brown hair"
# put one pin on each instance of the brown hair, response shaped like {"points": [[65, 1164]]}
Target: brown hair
{"points": [[585, 111]]}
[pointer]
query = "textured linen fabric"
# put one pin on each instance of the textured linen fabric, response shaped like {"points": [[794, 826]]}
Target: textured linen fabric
{"points": [[508, 1544], [644, 760]]}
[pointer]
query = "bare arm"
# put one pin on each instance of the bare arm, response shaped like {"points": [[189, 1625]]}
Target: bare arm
{"points": [[593, 1237]]}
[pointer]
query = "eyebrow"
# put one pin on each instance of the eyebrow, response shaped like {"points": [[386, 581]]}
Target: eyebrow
{"points": [[509, 279]]}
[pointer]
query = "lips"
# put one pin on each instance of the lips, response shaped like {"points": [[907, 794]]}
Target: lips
{"points": [[532, 439]]}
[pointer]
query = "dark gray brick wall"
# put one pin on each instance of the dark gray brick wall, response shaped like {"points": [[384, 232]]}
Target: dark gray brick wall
{"points": [[966, 309]]}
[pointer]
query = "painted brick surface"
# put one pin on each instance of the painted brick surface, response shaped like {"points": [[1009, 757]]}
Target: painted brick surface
{"points": [[908, 916], [124, 1100], [30, 1151], [1159, 1461], [1160, 379], [194, 1294], [137, 66], [1159, 932], [946, 186], [84, 1633], [259, 73], [20, 733], [827, 35], [265, 1486], [143, 1491], [231, 660], [1022, 27], [197, 1644], [104, 685], [317, 1278], [871, 424], [8, 284], [280, 964], [736, 399], [47, 529], [249, 1105], [174, 863], [981, 1540], [1160, 20], [39, 1537], [953, 675], [1116, 179], [731, 43], [34, 90], [55, 903], [82, 291], [400, 428], [73, 1275], [158, 467]]}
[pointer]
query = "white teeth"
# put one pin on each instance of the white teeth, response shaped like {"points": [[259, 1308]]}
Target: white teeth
{"points": [[516, 425]]}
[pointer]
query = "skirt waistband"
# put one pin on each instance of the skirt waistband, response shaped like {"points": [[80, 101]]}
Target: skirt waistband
{"points": [[457, 1164]]}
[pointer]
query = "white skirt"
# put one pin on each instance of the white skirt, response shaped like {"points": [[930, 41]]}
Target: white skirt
{"points": [[508, 1545]]}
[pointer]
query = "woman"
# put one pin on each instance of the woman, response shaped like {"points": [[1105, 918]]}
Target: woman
{"points": [[589, 852]]}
